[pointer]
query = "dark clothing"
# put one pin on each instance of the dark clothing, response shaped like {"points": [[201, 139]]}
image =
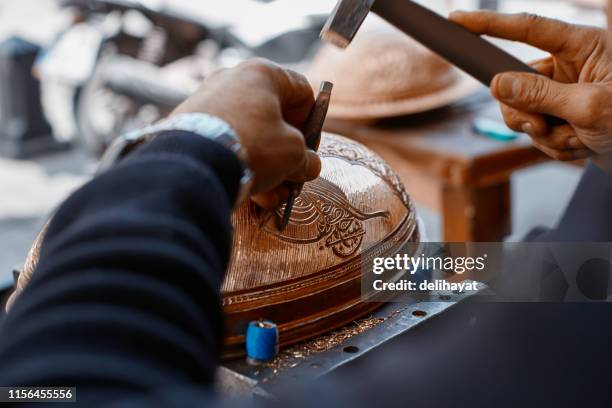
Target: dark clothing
{"points": [[588, 216], [132, 263], [125, 305]]}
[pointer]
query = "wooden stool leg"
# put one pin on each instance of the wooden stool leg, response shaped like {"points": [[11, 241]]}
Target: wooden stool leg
{"points": [[476, 214]]}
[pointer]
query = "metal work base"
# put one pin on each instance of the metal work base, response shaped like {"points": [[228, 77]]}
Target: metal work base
{"points": [[239, 378]]}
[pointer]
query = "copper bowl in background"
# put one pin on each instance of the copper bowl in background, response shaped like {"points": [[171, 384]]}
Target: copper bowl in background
{"points": [[384, 73]]}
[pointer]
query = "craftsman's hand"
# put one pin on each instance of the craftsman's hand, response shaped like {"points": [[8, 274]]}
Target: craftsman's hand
{"points": [[265, 104], [576, 84]]}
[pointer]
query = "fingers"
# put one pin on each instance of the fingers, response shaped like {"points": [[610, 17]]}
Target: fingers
{"points": [[560, 138], [560, 143], [286, 158], [526, 122], [293, 89], [303, 164], [545, 66], [531, 93], [564, 155], [297, 97], [281, 101], [272, 199], [309, 170], [579, 104], [547, 34]]}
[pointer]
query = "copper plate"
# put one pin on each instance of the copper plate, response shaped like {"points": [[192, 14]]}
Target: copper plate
{"points": [[307, 278]]}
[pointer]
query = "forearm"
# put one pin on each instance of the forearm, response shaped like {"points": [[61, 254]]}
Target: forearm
{"points": [[125, 298]]}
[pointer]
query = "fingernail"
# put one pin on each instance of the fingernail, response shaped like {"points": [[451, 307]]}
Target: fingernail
{"points": [[528, 128], [507, 86]]}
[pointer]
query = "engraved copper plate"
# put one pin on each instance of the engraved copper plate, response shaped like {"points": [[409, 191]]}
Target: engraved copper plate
{"points": [[307, 277]]}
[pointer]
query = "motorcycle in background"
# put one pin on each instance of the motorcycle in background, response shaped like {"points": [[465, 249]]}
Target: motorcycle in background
{"points": [[122, 64]]}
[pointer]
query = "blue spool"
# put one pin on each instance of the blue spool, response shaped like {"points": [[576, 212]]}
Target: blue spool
{"points": [[261, 341]]}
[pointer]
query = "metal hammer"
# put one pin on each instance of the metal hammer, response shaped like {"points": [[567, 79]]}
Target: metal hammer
{"points": [[460, 47]]}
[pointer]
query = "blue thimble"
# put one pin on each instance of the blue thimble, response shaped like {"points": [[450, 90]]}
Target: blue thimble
{"points": [[261, 341]]}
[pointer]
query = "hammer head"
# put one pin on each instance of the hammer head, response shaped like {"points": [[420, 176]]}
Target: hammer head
{"points": [[345, 20]]}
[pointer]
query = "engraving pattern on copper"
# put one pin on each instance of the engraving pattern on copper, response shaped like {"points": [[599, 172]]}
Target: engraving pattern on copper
{"points": [[355, 153], [322, 213], [392, 245]]}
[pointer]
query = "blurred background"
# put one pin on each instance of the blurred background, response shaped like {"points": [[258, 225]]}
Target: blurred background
{"points": [[75, 74]]}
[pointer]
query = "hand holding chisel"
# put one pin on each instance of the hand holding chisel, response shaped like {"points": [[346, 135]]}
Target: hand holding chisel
{"points": [[312, 132]]}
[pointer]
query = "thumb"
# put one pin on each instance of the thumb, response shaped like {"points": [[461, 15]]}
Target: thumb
{"points": [[533, 93]]}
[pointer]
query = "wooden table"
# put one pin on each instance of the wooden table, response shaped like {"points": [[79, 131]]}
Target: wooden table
{"points": [[447, 167]]}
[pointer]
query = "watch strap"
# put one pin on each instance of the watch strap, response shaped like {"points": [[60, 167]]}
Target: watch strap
{"points": [[209, 127]]}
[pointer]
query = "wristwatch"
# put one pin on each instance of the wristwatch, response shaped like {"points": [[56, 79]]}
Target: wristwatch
{"points": [[209, 127]]}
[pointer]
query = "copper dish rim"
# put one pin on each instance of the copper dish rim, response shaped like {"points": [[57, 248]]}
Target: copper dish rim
{"points": [[336, 315]]}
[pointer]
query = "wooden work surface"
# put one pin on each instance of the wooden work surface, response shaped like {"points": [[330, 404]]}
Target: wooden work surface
{"points": [[447, 167]]}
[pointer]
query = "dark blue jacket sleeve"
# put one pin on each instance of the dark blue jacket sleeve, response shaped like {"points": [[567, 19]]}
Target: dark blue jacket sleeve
{"points": [[125, 298]]}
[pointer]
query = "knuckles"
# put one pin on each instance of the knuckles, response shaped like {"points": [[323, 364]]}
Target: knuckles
{"points": [[530, 18], [534, 90], [295, 147], [512, 118], [594, 102], [260, 66], [296, 142]]}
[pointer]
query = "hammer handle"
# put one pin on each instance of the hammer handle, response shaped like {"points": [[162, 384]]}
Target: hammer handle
{"points": [[462, 48]]}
